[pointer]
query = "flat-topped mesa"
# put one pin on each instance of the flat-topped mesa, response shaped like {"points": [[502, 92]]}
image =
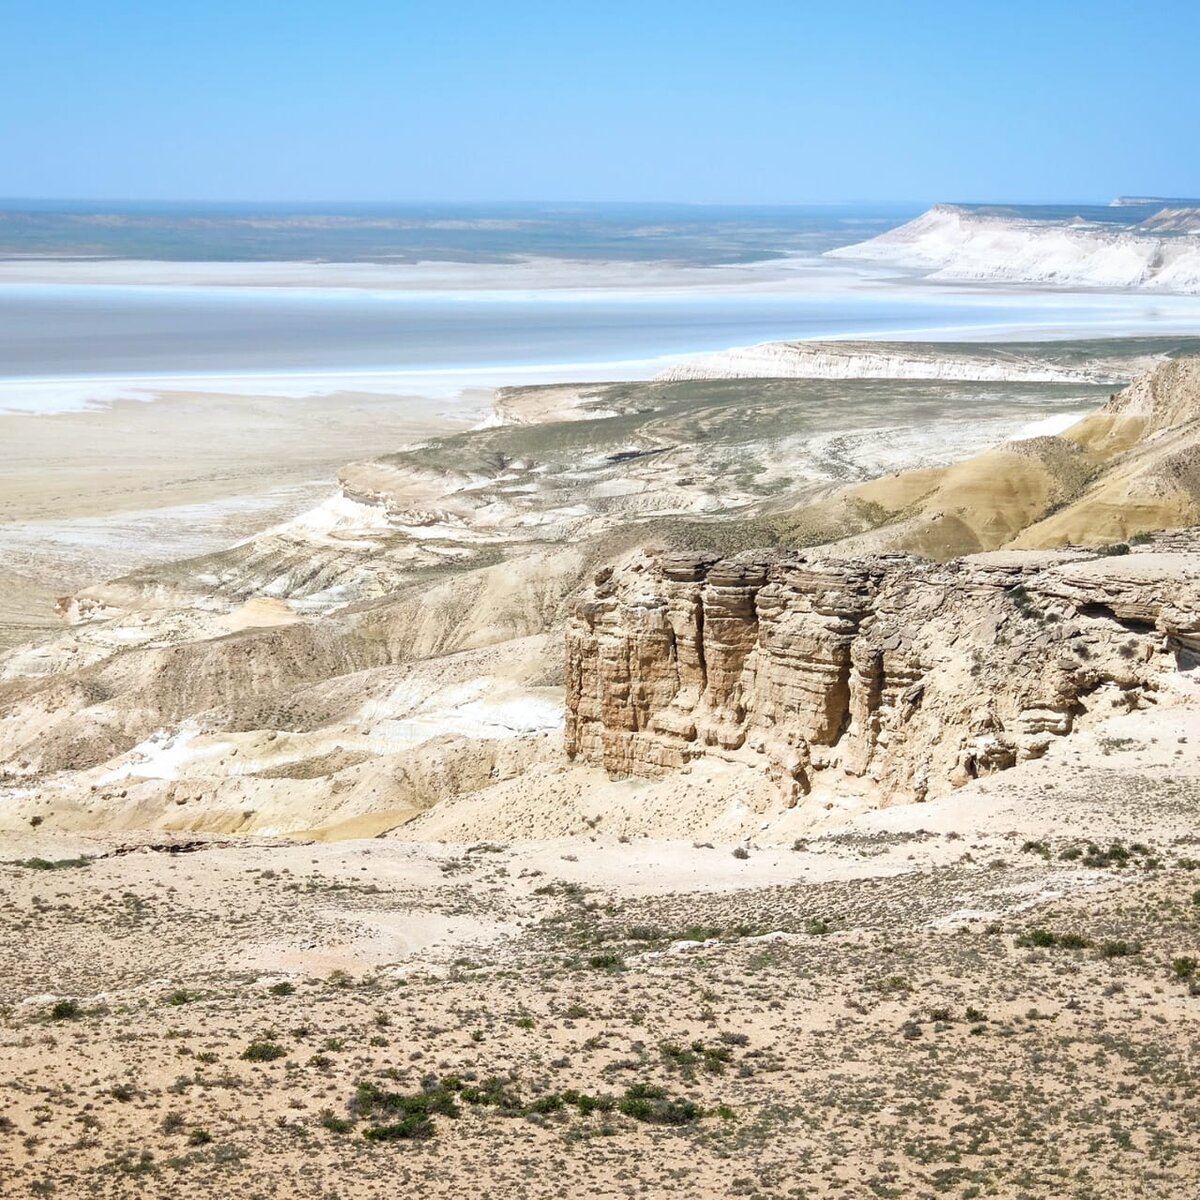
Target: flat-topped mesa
{"points": [[884, 674]]}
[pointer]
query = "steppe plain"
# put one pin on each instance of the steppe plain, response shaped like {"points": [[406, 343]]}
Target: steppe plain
{"points": [[542, 984]]}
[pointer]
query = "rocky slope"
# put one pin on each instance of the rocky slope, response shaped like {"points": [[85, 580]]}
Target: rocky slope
{"points": [[956, 244], [393, 659], [1130, 467], [885, 676]]}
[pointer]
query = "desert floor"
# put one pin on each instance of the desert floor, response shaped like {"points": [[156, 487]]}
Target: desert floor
{"points": [[993, 995]]}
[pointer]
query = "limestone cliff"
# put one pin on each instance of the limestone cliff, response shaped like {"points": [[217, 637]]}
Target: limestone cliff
{"points": [[908, 677]]}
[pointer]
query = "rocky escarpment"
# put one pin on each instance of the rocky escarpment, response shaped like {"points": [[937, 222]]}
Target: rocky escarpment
{"points": [[949, 243], [880, 674]]}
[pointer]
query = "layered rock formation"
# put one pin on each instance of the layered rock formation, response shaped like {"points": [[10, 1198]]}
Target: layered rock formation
{"points": [[910, 678], [958, 244]]}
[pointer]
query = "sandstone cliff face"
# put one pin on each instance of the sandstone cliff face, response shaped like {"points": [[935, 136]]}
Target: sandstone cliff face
{"points": [[897, 676]]}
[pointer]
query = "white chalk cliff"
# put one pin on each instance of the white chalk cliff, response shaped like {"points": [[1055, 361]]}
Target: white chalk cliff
{"points": [[961, 245]]}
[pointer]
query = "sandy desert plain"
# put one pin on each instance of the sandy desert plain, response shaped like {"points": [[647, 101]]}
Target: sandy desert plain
{"points": [[773, 779]]}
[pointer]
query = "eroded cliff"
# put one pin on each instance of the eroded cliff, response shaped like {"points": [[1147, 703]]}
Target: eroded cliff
{"points": [[883, 674]]}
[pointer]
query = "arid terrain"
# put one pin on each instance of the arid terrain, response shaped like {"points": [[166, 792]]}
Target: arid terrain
{"points": [[723, 785], [994, 994]]}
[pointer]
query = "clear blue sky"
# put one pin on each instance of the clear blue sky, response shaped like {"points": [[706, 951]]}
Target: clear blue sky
{"points": [[759, 101]]}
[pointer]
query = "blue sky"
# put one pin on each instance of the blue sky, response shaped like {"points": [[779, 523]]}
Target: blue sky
{"points": [[758, 101]]}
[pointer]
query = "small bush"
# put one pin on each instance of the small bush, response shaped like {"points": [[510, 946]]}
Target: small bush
{"points": [[52, 864], [1074, 941], [263, 1052], [412, 1127], [606, 962], [66, 1010], [651, 1104], [173, 1122], [1045, 938]]}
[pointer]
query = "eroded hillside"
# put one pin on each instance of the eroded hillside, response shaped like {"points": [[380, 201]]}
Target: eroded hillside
{"points": [[393, 659]]}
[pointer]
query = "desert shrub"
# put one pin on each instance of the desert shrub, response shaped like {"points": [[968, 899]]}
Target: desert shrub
{"points": [[1046, 938], [410, 1127], [589, 1104], [652, 1105], [173, 1122], [1073, 941], [263, 1052], [435, 1098], [51, 864], [335, 1124], [606, 962]]}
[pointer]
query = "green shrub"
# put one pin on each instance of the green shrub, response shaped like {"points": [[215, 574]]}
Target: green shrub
{"points": [[1073, 941], [650, 1104], [606, 962], [52, 864], [263, 1052], [414, 1127], [434, 1099]]}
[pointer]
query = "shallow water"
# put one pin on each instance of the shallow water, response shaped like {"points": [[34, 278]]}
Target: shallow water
{"points": [[601, 292], [125, 332]]}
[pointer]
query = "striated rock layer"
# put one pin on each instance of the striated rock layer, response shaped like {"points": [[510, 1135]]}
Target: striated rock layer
{"points": [[883, 674]]}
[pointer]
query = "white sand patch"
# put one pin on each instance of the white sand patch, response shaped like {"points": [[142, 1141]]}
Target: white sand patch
{"points": [[161, 756], [1048, 426]]}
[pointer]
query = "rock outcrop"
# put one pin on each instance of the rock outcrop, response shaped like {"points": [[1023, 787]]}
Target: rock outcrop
{"points": [[949, 243], [908, 677]]}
